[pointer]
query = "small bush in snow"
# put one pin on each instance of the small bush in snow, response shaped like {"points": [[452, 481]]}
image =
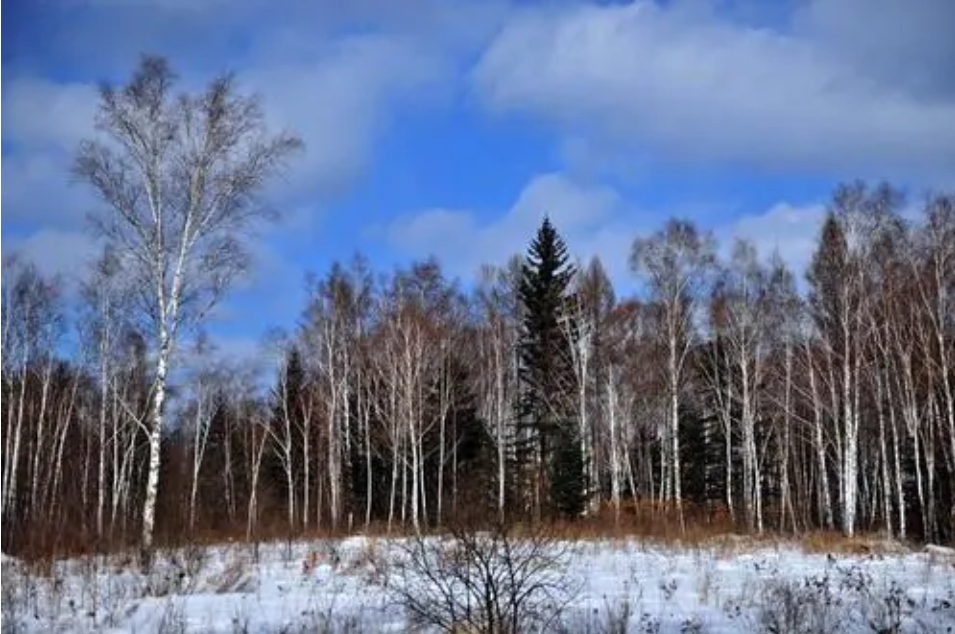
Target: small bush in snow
{"points": [[618, 618], [887, 614], [806, 606], [175, 573], [489, 582], [614, 618], [831, 601]]}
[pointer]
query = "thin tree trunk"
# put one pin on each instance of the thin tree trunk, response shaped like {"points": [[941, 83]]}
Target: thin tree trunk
{"points": [[155, 440], [785, 487], [819, 444], [675, 432]]}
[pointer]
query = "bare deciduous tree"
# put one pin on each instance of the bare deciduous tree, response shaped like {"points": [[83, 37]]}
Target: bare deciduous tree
{"points": [[675, 263], [179, 176], [741, 316]]}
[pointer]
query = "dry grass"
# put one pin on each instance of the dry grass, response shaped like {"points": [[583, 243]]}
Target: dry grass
{"points": [[705, 526], [652, 522], [831, 542]]}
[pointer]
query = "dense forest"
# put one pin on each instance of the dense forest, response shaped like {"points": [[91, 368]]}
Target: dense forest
{"points": [[729, 389]]}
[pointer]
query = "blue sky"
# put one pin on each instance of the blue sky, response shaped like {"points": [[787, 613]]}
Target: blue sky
{"points": [[450, 127]]}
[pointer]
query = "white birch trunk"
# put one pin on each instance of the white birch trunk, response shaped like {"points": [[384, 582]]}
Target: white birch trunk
{"points": [[819, 443], [155, 439]]}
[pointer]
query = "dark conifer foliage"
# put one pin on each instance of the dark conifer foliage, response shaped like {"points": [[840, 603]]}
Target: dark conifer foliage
{"points": [[548, 443]]}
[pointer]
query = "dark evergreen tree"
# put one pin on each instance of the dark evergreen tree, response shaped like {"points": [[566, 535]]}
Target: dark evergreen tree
{"points": [[826, 276], [548, 448], [566, 471]]}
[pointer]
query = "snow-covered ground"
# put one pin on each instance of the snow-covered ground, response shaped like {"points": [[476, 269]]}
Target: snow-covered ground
{"points": [[617, 586]]}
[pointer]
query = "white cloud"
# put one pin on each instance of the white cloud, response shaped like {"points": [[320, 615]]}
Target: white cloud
{"points": [[790, 230], [44, 122], [903, 43], [338, 97], [689, 85], [337, 94], [42, 112], [254, 353], [67, 254], [592, 219], [37, 190]]}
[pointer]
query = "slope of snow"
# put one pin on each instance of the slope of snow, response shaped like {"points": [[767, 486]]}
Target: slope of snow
{"points": [[348, 589]]}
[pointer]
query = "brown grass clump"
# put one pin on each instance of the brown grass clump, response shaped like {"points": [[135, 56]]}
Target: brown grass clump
{"points": [[832, 542], [652, 521]]}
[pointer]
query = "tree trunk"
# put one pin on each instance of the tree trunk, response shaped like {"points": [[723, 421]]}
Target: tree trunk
{"points": [[155, 440], [819, 444]]}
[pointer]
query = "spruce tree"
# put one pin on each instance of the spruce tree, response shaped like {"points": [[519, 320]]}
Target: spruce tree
{"points": [[548, 447]]}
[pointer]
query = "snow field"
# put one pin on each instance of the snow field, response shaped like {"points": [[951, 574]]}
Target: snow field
{"points": [[617, 586]]}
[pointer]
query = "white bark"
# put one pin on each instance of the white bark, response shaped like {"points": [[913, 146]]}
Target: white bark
{"points": [[579, 330], [179, 179], [202, 423], [819, 442], [155, 439], [676, 263]]}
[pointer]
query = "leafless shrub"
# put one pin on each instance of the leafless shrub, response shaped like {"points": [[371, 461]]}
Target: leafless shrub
{"points": [[614, 618], [312, 626], [805, 606], [488, 582], [940, 613], [170, 576], [618, 618], [233, 578], [104, 593], [368, 562], [887, 611], [830, 601], [692, 625], [649, 624], [890, 609], [329, 623], [192, 559], [316, 620]]}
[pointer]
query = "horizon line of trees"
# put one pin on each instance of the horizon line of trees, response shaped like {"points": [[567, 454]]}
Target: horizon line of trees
{"points": [[405, 401], [402, 399]]}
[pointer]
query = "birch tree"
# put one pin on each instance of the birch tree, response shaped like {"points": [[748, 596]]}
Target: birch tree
{"points": [[592, 299], [178, 176], [840, 298], [674, 263], [334, 323], [209, 386], [104, 327], [32, 324], [496, 373], [618, 397], [292, 410], [742, 310], [936, 292], [784, 308]]}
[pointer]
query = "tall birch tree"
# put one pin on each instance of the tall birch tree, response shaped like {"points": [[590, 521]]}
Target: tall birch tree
{"points": [[178, 176], [674, 264]]}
